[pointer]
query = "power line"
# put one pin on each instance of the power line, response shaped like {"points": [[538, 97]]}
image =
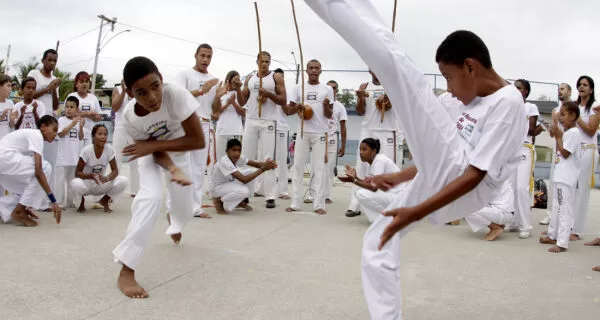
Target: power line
{"points": [[80, 35]]}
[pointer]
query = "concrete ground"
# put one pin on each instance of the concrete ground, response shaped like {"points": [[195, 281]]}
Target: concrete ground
{"points": [[268, 264]]}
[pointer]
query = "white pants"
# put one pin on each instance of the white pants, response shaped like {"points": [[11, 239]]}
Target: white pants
{"points": [[522, 191], [550, 187], [234, 192], [437, 150], [198, 167], [50, 154], [488, 215], [259, 144], [120, 140], [316, 141], [62, 185], [147, 204], [332, 149], [374, 203], [561, 221], [222, 144], [17, 175], [582, 193], [281, 172], [212, 152], [114, 189]]}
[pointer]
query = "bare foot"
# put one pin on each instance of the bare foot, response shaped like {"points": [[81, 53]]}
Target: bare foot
{"points": [[595, 242], [105, 202], [574, 237], [21, 216], [557, 249], [328, 201], [545, 233], [176, 237], [203, 215], [457, 222], [596, 268], [290, 209], [495, 231], [207, 206], [219, 206], [284, 197], [81, 208], [547, 240], [246, 206], [320, 211], [129, 286]]}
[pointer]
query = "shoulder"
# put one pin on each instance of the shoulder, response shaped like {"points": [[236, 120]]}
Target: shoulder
{"points": [[34, 73], [277, 76]]}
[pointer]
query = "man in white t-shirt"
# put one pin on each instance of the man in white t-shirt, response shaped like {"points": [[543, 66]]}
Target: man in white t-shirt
{"points": [[202, 85], [460, 164], [496, 215], [263, 94], [319, 97]]}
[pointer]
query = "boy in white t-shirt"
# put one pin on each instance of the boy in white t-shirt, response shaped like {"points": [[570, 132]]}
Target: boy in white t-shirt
{"points": [[164, 126], [460, 164], [70, 133], [566, 172], [229, 185], [7, 116], [29, 111]]}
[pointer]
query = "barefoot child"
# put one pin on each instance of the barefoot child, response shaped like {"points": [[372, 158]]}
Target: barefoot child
{"points": [[228, 186], [89, 107], [496, 215], [90, 178], [460, 164], [23, 172], [164, 126], [29, 111], [70, 132], [566, 172]]}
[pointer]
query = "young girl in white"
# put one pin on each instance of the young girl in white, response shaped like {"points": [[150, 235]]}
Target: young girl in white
{"points": [[29, 111], [120, 99], [566, 172], [369, 197], [70, 133], [229, 125], [90, 178], [89, 107], [228, 186]]}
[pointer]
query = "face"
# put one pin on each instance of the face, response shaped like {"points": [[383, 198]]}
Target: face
{"points": [[50, 62], [334, 87], [521, 87], [49, 132], [203, 58], [366, 153], [100, 137], [5, 90], [83, 85], [15, 87], [566, 118], [148, 92], [29, 89], [71, 109], [313, 69], [584, 88], [460, 80], [235, 82], [234, 153], [563, 92], [264, 63]]}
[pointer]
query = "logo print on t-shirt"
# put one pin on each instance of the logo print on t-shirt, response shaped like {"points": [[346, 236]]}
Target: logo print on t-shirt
{"points": [[377, 93], [86, 107], [159, 131], [271, 128], [311, 96], [98, 168], [201, 84], [390, 140], [256, 86], [73, 134]]}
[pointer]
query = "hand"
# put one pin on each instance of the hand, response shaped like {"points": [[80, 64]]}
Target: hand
{"points": [[346, 179], [383, 182], [139, 149], [104, 179], [57, 212], [361, 93], [221, 91], [326, 158], [178, 176], [268, 165], [4, 113], [208, 85], [342, 151], [558, 134], [402, 218], [14, 116], [35, 106], [23, 109], [350, 172], [123, 88], [235, 83], [231, 100], [96, 178], [326, 103], [263, 95], [81, 122]]}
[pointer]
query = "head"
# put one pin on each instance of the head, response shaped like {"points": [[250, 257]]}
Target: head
{"points": [[369, 148], [564, 92], [524, 87], [233, 80], [278, 70], [15, 86], [263, 61], [334, 85], [203, 57], [5, 86], [28, 84], [144, 83], [234, 149], [585, 87], [49, 127], [71, 106], [82, 83], [313, 69], [463, 59], [569, 113], [374, 78], [49, 59]]}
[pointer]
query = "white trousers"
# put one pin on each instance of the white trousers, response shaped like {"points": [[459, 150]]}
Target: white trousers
{"points": [[550, 186], [488, 215], [316, 142], [436, 150], [198, 167], [114, 189], [259, 144], [50, 154], [234, 192], [120, 140], [281, 172], [582, 193], [62, 185], [17, 175], [522, 191], [222, 144], [147, 204], [332, 148], [374, 203], [212, 152], [561, 221]]}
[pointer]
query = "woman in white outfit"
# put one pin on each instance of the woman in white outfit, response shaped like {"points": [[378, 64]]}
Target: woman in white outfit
{"points": [[229, 125], [372, 200], [90, 178]]}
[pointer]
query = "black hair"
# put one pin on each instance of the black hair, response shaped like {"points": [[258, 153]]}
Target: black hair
{"points": [[278, 70], [73, 99], [47, 120], [525, 84], [203, 46], [47, 52], [313, 60], [461, 45], [230, 75], [233, 143], [27, 79], [4, 78], [592, 99], [572, 107], [96, 127], [137, 68], [263, 53], [333, 81], [372, 143]]}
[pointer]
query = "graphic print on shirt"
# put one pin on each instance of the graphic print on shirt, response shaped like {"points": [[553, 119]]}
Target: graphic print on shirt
{"points": [[467, 127], [158, 129], [86, 107], [311, 96], [29, 120], [98, 168], [74, 134]]}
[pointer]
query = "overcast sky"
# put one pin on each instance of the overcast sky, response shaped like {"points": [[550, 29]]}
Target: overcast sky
{"points": [[540, 40]]}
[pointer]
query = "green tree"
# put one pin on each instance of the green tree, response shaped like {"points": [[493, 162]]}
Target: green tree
{"points": [[347, 98], [27, 66], [2, 66], [100, 82], [66, 86]]}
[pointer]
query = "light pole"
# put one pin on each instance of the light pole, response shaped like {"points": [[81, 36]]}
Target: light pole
{"points": [[103, 20]]}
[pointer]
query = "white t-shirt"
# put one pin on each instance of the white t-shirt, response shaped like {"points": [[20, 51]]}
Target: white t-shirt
{"points": [[177, 105], [94, 164], [282, 118], [28, 117], [492, 129], [339, 114], [42, 82], [194, 80], [450, 103], [119, 114], [4, 127], [223, 169], [314, 95], [585, 116], [372, 120], [69, 145], [531, 110], [25, 141], [230, 122], [269, 108], [381, 164], [505, 200], [567, 170], [89, 103]]}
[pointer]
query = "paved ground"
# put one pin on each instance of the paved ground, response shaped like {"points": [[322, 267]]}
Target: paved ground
{"points": [[269, 264]]}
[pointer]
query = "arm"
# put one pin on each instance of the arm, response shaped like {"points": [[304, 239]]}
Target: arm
{"points": [[560, 147], [36, 116], [21, 114], [81, 122], [279, 97], [117, 99], [243, 94], [79, 171], [164, 160], [41, 178], [55, 99], [554, 119], [532, 126], [591, 127], [389, 180], [13, 115], [114, 171], [68, 128], [245, 179], [241, 111], [343, 133], [327, 108], [361, 105], [538, 130]]}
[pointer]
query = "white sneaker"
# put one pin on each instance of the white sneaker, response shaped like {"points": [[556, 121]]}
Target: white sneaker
{"points": [[545, 221], [524, 234]]}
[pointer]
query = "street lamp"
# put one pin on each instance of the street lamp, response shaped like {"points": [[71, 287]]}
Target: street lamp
{"points": [[99, 46]]}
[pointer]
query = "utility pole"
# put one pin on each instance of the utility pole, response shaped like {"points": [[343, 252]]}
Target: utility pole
{"points": [[6, 65], [103, 20]]}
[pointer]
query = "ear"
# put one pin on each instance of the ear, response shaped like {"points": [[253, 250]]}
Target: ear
{"points": [[470, 67]]}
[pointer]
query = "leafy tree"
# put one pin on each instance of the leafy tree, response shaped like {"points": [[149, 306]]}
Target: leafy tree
{"points": [[100, 81], [27, 66], [347, 98], [543, 97], [66, 86]]}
